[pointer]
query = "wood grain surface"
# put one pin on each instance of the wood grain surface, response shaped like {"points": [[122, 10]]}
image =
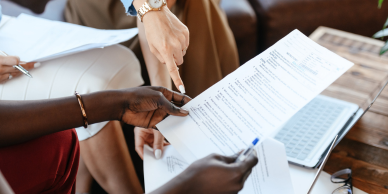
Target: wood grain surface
{"points": [[365, 148]]}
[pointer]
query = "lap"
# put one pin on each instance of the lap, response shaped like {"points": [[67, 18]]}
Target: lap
{"points": [[47, 164]]}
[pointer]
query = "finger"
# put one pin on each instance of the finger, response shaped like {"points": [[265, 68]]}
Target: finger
{"points": [[186, 32], [6, 69], [249, 162], [139, 140], [29, 66], [178, 55], [170, 108], [175, 97], [157, 54], [4, 78], [174, 73], [9, 60], [182, 40], [158, 144], [16, 74], [229, 159]]}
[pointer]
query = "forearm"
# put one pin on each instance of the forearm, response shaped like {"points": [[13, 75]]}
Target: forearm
{"points": [[174, 186], [21, 121]]}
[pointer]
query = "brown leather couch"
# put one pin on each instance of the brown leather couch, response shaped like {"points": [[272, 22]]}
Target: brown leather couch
{"points": [[277, 18], [258, 24]]}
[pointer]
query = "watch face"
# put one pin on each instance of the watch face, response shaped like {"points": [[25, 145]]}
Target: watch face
{"points": [[155, 3]]}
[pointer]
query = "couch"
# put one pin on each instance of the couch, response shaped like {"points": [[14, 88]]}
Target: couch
{"points": [[277, 18]]}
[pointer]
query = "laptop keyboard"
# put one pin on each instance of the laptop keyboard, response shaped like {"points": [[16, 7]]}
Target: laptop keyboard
{"points": [[307, 127]]}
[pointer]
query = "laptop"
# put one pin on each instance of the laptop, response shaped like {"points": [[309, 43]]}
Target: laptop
{"points": [[308, 134]]}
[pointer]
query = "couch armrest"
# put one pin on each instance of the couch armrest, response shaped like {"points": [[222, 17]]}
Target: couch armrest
{"points": [[242, 20]]}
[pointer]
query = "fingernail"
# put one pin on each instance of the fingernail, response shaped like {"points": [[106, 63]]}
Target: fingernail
{"points": [[184, 111], [38, 64], [254, 153], [182, 89], [158, 154]]}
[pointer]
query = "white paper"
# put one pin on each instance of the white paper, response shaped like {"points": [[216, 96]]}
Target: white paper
{"points": [[270, 175], [255, 100], [159, 172], [37, 39], [4, 19]]}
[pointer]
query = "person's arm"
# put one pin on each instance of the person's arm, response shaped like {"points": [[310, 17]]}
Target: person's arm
{"points": [[168, 39], [213, 174], [143, 106]]}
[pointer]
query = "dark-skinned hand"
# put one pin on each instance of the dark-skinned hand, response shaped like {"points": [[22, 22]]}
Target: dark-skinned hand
{"points": [[214, 174], [147, 106]]}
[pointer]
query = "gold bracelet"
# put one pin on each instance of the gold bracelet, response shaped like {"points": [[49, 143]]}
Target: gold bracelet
{"points": [[81, 104]]}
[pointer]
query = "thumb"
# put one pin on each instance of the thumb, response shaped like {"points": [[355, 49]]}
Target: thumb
{"points": [[171, 109], [158, 144]]}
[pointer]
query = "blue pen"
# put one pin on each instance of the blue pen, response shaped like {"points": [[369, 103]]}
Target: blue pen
{"points": [[247, 151]]}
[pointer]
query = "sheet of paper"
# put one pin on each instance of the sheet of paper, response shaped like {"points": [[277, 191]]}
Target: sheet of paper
{"points": [[266, 176], [159, 172], [256, 99], [303, 177], [271, 174], [4, 19], [37, 39]]}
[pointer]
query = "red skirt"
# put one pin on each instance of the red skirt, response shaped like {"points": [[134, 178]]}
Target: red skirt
{"points": [[48, 164]]}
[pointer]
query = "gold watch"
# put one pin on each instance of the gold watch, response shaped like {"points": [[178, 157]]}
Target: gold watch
{"points": [[150, 5]]}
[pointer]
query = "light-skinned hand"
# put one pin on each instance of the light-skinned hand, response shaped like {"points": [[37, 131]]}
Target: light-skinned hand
{"points": [[168, 39], [7, 69], [150, 137]]}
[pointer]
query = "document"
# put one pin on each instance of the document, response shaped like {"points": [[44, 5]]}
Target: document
{"points": [[35, 39], [270, 175], [255, 100]]}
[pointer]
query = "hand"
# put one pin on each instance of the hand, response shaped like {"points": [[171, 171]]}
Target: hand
{"points": [[8, 71], [213, 174], [151, 137], [147, 106], [168, 39]]}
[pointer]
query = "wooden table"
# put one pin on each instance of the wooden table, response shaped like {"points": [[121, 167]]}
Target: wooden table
{"points": [[365, 148]]}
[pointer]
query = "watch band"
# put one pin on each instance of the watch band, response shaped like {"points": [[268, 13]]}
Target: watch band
{"points": [[145, 8]]}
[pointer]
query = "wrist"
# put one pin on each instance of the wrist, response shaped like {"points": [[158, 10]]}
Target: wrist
{"points": [[103, 106], [138, 3]]}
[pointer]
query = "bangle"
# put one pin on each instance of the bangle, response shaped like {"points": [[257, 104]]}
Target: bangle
{"points": [[81, 104]]}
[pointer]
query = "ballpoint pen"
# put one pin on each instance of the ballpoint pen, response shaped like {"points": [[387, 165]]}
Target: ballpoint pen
{"points": [[18, 66], [247, 151]]}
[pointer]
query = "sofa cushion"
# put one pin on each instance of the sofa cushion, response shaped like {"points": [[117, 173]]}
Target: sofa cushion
{"points": [[279, 17]]}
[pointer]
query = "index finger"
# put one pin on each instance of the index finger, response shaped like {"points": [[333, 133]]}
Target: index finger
{"points": [[176, 97], [174, 73]]}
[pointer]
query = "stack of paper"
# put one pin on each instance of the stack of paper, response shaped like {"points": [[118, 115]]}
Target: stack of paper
{"points": [[253, 101], [35, 39]]}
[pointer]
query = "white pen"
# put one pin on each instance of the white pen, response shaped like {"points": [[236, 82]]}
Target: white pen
{"points": [[18, 66], [247, 151]]}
